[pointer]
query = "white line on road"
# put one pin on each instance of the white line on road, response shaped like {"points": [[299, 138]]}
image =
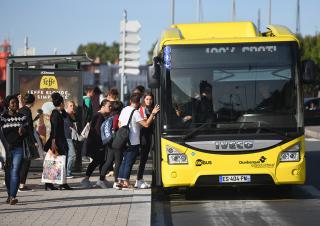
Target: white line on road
{"points": [[311, 139]]}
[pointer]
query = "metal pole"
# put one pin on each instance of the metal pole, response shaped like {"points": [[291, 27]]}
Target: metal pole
{"points": [[26, 47], [259, 19], [9, 72], [298, 18], [234, 10], [123, 78], [172, 11], [270, 6], [198, 11]]}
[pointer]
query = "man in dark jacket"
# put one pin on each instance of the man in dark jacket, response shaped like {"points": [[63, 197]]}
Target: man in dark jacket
{"points": [[26, 102]]}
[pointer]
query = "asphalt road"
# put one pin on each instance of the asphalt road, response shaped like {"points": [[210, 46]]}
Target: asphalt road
{"points": [[244, 206]]}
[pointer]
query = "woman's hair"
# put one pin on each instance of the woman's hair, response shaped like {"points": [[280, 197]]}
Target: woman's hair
{"points": [[147, 93], [97, 91], [71, 101], [29, 98], [57, 99], [113, 92], [9, 98], [104, 102], [135, 98], [116, 106], [138, 90]]}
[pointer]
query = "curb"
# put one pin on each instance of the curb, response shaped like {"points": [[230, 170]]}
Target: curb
{"points": [[140, 210], [313, 131]]}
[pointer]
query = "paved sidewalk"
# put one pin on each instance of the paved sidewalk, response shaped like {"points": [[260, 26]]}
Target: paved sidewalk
{"points": [[312, 131], [77, 207]]}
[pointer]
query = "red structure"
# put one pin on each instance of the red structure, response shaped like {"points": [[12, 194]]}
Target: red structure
{"points": [[5, 51]]}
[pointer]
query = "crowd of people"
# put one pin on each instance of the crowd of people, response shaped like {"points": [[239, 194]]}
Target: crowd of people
{"points": [[95, 127]]}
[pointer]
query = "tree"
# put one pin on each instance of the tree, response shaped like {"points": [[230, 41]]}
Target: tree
{"points": [[102, 50], [310, 50]]}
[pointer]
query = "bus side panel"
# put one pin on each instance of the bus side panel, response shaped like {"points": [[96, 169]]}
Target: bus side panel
{"points": [[156, 155]]}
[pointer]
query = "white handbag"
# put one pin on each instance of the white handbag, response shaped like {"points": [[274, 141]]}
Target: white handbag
{"points": [[54, 169], [85, 131]]}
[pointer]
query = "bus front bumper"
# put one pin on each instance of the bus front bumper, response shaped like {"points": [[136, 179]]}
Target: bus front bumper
{"points": [[284, 173]]}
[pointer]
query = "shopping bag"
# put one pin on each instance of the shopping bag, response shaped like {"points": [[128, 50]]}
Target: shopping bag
{"points": [[40, 144], [54, 169], [2, 155], [75, 135], [85, 131]]}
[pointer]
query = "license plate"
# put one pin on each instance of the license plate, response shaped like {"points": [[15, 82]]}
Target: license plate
{"points": [[235, 179]]}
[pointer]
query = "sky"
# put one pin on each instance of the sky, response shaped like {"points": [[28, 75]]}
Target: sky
{"points": [[65, 24]]}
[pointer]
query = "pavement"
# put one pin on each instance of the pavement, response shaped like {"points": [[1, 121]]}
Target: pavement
{"points": [[313, 131], [93, 206]]}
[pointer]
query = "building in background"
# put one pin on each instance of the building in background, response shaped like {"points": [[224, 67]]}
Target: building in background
{"points": [[5, 52], [106, 76]]}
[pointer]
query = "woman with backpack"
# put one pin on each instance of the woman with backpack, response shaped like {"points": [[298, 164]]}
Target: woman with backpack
{"points": [[146, 134], [114, 155]]}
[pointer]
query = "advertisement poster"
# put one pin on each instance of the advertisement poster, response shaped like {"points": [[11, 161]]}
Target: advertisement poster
{"points": [[42, 83]]}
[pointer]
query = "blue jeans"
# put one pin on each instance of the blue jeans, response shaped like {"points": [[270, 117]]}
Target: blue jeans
{"points": [[12, 174], [129, 158], [70, 157]]}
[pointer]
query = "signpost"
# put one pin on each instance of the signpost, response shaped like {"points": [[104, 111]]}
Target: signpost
{"points": [[129, 50]]}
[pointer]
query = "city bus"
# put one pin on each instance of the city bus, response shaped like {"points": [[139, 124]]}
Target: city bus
{"points": [[231, 106]]}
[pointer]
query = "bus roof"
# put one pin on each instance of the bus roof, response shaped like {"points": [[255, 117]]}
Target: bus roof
{"points": [[223, 32]]}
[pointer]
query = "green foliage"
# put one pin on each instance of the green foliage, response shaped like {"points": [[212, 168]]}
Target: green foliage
{"points": [[102, 50], [310, 50]]}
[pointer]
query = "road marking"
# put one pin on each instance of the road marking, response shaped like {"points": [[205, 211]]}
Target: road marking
{"points": [[311, 139]]}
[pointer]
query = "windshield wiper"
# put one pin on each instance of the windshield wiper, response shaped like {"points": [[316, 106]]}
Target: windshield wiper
{"points": [[268, 128], [242, 126], [195, 130]]}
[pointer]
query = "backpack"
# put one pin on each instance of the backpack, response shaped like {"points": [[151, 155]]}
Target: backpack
{"points": [[122, 135], [106, 130]]}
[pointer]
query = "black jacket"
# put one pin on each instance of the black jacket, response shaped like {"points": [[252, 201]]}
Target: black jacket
{"points": [[57, 132]]}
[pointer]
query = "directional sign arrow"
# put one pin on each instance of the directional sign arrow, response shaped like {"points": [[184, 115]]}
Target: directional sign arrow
{"points": [[131, 26], [133, 39], [131, 71], [131, 56], [132, 63], [131, 48]]}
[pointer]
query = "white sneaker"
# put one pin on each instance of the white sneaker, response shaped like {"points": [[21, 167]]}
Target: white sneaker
{"points": [[86, 183], [141, 184], [102, 184], [116, 186]]}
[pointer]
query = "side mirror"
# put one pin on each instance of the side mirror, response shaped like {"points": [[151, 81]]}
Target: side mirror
{"points": [[308, 71], [154, 72]]}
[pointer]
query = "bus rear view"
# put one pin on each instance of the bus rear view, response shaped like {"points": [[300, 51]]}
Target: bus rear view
{"points": [[232, 110]]}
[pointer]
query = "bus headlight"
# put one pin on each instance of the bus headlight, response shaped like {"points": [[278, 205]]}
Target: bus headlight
{"points": [[292, 154], [175, 156], [177, 159]]}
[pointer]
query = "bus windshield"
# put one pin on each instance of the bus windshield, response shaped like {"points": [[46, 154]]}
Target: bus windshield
{"points": [[204, 85]]}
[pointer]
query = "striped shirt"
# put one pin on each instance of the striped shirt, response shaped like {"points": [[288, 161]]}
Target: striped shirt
{"points": [[10, 126]]}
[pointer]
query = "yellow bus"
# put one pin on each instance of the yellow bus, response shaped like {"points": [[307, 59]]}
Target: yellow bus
{"points": [[231, 105]]}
